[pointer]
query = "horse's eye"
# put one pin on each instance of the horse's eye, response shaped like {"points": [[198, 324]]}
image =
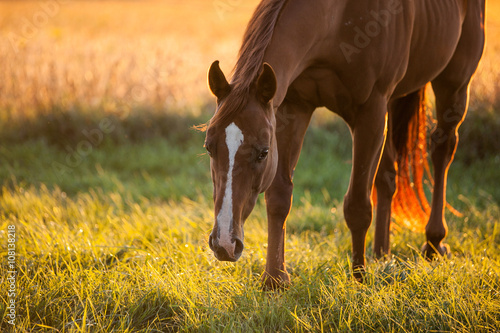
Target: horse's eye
{"points": [[208, 150], [263, 154]]}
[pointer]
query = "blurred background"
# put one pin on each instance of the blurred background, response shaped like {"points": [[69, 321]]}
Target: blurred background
{"points": [[138, 69]]}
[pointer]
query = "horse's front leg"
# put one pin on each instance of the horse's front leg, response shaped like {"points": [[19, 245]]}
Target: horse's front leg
{"points": [[368, 131], [292, 121]]}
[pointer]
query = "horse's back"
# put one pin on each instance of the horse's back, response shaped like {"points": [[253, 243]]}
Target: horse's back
{"points": [[446, 33], [401, 45], [394, 47]]}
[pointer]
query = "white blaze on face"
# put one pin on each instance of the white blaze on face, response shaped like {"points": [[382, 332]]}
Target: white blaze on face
{"points": [[234, 139]]}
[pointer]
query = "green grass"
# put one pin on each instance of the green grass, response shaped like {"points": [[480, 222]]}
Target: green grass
{"points": [[118, 243]]}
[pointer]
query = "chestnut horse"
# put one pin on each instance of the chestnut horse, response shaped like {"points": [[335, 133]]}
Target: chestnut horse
{"points": [[369, 61]]}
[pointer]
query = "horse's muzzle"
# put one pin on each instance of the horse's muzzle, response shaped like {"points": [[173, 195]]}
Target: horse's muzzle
{"points": [[229, 251]]}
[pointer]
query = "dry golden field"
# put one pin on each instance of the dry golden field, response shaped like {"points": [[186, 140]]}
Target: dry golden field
{"points": [[114, 55]]}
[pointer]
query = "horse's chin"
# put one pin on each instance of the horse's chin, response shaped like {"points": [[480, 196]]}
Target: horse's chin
{"points": [[229, 259]]}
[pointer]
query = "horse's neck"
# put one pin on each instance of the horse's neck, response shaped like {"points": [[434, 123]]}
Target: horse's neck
{"points": [[285, 52], [289, 52]]}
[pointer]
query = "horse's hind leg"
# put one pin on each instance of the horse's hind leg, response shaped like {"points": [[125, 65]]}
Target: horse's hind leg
{"points": [[451, 91], [451, 105]]}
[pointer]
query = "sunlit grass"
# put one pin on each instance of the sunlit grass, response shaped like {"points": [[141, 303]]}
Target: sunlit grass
{"points": [[123, 252], [98, 263]]}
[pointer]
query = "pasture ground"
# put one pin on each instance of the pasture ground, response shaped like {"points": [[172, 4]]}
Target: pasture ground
{"points": [[109, 190]]}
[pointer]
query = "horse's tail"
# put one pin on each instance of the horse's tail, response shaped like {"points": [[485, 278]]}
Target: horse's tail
{"points": [[410, 207]]}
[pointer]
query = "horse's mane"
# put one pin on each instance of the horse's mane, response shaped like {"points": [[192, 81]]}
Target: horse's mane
{"points": [[257, 37], [255, 41]]}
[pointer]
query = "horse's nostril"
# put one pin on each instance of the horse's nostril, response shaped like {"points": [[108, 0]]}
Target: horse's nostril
{"points": [[238, 247]]}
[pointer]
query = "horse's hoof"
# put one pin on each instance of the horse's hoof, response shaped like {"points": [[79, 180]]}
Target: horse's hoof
{"points": [[359, 274], [429, 251], [273, 283]]}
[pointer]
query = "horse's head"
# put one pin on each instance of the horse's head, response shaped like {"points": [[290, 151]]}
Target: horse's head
{"points": [[241, 142]]}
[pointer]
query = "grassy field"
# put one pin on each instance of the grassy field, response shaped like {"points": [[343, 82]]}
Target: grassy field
{"points": [[109, 191]]}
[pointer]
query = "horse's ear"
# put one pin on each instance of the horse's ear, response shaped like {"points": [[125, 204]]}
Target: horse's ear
{"points": [[217, 81], [266, 84]]}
